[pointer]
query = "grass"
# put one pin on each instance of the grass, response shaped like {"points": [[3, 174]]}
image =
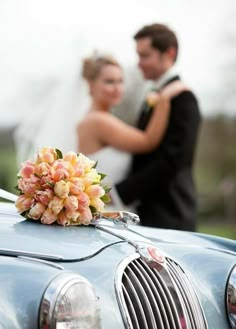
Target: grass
{"points": [[220, 229]]}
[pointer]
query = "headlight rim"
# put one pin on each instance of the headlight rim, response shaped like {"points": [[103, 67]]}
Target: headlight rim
{"points": [[53, 292], [229, 316]]}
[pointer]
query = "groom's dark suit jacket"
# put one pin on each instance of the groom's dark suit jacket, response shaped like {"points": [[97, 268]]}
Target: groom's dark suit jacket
{"points": [[162, 180]]}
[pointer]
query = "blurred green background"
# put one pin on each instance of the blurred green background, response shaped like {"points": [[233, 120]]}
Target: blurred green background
{"points": [[214, 171]]}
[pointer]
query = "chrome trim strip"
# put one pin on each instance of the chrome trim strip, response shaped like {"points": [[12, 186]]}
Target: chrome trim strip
{"points": [[16, 253], [42, 261]]}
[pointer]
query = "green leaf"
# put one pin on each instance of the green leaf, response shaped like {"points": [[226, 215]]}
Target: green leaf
{"points": [[93, 210], [59, 154], [95, 165], [17, 188], [107, 189], [50, 184], [102, 175], [105, 198], [25, 214]]}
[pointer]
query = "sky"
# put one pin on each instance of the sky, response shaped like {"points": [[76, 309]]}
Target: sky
{"points": [[43, 41]]}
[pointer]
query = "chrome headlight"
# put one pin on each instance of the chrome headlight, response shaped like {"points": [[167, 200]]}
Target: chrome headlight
{"points": [[69, 302], [231, 298]]}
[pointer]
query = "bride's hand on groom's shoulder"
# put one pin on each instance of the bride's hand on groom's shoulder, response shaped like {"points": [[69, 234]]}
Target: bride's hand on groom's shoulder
{"points": [[173, 89]]}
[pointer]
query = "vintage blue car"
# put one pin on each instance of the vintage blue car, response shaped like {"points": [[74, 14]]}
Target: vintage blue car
{"points": [[113, 274]]}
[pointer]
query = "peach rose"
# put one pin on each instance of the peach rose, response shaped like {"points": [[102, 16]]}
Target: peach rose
{"points": [[71, 203], [62, 189], [37, 211], [98, 204], [85, 162], [95, 191], [45, 196], [23, 203], [42, 169], [67, 217], [56, 205], [27, 169], [48, 217], [86, 216], [71, 157], [84, 201], [61, 169], [46, 154], [76, 185], [29, 185]]}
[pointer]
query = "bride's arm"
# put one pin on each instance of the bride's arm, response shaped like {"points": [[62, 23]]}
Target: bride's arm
{"points": [[106, 129]]}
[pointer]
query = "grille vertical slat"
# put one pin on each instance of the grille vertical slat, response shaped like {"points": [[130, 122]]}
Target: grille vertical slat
{"points": [[153, 305], [167, 313], [136, 302], [132, 314], [158, 304], [175, 308], [138, 285], [188, 293], [157, 296]]}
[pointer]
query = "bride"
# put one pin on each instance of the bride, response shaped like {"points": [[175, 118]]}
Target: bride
{"points": [[105, 138]]}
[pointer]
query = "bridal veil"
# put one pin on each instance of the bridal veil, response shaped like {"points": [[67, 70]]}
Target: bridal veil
{"points": [[52, 121]]}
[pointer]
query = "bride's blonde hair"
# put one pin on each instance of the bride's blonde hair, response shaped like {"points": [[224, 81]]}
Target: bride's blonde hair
{"points": [[92, 65]]}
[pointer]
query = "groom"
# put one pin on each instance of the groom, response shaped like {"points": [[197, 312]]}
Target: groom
{"points": [[160, 183]]}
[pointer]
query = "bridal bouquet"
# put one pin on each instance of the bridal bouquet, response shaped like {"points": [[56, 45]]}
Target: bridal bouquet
{"points": [[65, 189]]}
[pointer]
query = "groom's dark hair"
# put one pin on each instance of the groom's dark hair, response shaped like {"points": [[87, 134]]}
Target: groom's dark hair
{"points": [[162, 37]]}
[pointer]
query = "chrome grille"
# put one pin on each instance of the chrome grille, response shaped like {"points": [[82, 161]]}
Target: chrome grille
{"points": [[157, 296]]}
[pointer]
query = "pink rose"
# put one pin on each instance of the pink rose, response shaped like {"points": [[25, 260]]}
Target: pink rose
{"points": [[62, 219], [76, 186], [44, 197], [48, 217], [37, 210], [56, 205], [71, 157], [46, 154], [62, 189], [67, 217], [27, 169], [86, 216], [29, 185], [61, 170], [42, 169], [95, 191], [84, 201], [23, 203], [78, 170], [71, 203], [98, 204], [46, 182]]}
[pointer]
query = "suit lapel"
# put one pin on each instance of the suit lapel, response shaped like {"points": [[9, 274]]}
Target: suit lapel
{"points": [[146, 110]]}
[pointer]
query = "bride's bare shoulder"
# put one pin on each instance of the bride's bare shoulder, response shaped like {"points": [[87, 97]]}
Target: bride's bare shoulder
{"points": [[94, 118]]}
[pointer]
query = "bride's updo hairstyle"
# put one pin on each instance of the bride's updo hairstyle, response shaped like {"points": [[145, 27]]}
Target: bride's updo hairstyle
{"points": [[92, 66]]}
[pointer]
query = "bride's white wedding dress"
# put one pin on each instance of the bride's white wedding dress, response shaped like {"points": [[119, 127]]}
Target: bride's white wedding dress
{"points": [[115, 164]]}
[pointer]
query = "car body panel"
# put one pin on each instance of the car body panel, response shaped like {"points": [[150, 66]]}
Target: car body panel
{"points": [[95, 253]]}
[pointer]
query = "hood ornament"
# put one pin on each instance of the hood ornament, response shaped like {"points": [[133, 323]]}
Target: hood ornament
{"points": [[117, 217], [152, 255]]}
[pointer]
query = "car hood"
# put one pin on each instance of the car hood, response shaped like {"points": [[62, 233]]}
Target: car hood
{"points": [[80, 242], [21, 236]]}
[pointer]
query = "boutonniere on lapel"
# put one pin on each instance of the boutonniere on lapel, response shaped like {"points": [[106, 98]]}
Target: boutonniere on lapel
{"points": [[152, 99]]}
